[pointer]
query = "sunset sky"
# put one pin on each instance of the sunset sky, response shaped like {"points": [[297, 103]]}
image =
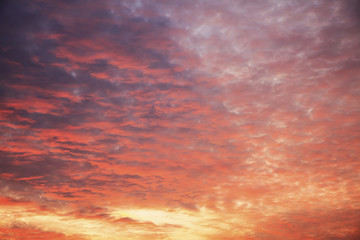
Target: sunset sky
{"points": [[180, 120]]}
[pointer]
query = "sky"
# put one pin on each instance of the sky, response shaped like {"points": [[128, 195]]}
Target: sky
{"points": [[179, 119]]}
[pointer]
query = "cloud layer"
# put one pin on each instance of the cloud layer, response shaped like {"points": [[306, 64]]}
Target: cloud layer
{"points": [[179, 120]]}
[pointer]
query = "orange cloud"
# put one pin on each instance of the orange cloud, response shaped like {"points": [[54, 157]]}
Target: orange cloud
{"points": [[179, 120]]}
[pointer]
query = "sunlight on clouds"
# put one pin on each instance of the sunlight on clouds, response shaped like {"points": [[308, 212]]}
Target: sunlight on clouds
{"points": [[158, 217], [17, 216], [177, 224], [192, 221], [187, 225]]}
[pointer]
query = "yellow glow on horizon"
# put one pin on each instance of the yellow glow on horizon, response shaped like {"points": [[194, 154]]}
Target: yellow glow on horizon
{"points": [[187, 224], [176, 224], [180, 224], [94, 229]]}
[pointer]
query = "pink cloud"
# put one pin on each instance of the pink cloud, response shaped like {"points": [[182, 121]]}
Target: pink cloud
{"points": [[168, 120]]}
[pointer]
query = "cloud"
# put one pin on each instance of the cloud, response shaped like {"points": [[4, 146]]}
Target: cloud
{"points": [[169, 119]]}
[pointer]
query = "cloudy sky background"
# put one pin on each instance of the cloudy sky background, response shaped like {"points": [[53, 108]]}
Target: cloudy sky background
{"points": [[179, 119]]}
